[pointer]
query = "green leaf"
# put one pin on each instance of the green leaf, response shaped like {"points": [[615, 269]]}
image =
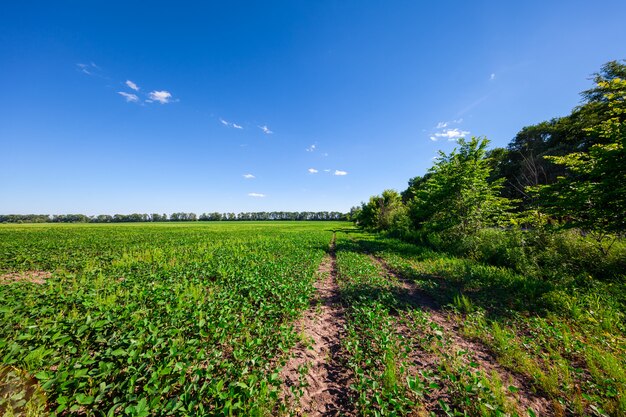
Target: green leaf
{"points": [[83, 399]]}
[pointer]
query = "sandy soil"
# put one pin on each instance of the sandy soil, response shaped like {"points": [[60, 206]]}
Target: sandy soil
{"points": [[315, 365]]}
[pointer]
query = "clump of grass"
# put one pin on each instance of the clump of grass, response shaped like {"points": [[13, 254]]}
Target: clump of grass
{"points": [[464, 304]]}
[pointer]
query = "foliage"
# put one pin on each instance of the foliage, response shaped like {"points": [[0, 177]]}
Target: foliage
{"points": [[404, 361], [383, 212], [563, 331], [457, 198], [154, 319], [524, 163], [593, 194], [535, 292]]}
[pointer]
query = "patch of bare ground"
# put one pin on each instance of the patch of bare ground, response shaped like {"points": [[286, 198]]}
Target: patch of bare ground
{"points": [[34, 277], [480, 354], [315, 381]]}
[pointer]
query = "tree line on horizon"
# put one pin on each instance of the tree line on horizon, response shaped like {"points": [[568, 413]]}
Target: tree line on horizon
{"points": [[565, 173], [174, 217]]}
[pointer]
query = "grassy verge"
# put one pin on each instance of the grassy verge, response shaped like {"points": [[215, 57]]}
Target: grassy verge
{"points": [[567, 337], [405, 362]]}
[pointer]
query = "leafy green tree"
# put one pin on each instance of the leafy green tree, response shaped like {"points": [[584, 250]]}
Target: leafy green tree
{"points": [[381, 212], [525, 164], [457, 197], [414, 184], [592, 196]]}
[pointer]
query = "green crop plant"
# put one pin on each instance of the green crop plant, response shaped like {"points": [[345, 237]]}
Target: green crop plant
{"points": [[157, 319]]}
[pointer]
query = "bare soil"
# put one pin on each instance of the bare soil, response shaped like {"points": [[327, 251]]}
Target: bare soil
{"points": [[315, 367], [34, 277]]}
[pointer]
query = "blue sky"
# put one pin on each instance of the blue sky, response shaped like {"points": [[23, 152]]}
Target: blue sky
{"points": [[120, 107]]}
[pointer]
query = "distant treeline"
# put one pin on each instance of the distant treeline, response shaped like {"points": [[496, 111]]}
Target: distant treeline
{"points": [[174, 217]]}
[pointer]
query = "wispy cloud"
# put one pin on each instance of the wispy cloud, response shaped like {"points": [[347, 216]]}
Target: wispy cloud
{"points": [[492, 76], [132, 85], [266, 130], [340, 173], [311, 148], [327, 170], [129, 96], [84, 68], [162, 97], [450, 134], [442, 125], [313, 170], [229, 124], [88, 69], [256, 195], [248, 176]]}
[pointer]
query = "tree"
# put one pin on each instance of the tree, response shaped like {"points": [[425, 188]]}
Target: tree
{"points": [[457, 197], [592, 196], [382, 211], [414, 184], [525, 164]]}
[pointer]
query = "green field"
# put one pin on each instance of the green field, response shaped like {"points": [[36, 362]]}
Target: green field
{"points": [[200, 319]]}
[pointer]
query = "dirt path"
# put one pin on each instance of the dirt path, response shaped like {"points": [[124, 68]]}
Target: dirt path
{"points": [[486, 361], [316, 364]]}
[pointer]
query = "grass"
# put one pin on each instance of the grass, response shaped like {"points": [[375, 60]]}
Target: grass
{"points": [[196, 319], [565, 334], [387, 335]]}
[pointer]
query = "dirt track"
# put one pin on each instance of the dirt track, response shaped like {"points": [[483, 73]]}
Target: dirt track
{"points": [[316, 380], [324, 380]]}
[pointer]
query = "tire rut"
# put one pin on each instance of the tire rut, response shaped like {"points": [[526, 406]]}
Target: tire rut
{"points": [[481, 354], [315, 369]]}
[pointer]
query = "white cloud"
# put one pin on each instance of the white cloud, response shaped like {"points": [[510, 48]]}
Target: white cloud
{"points": [[88, 68], [229, 124], [248, 176], [450, 134], [442, 125], [129, 97], [313, 171], [492, 77], [327, 170], [311, 148], [340, 173], [84, 68], [132, 85], [257, 195], [162, 97], [266, 130]]}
